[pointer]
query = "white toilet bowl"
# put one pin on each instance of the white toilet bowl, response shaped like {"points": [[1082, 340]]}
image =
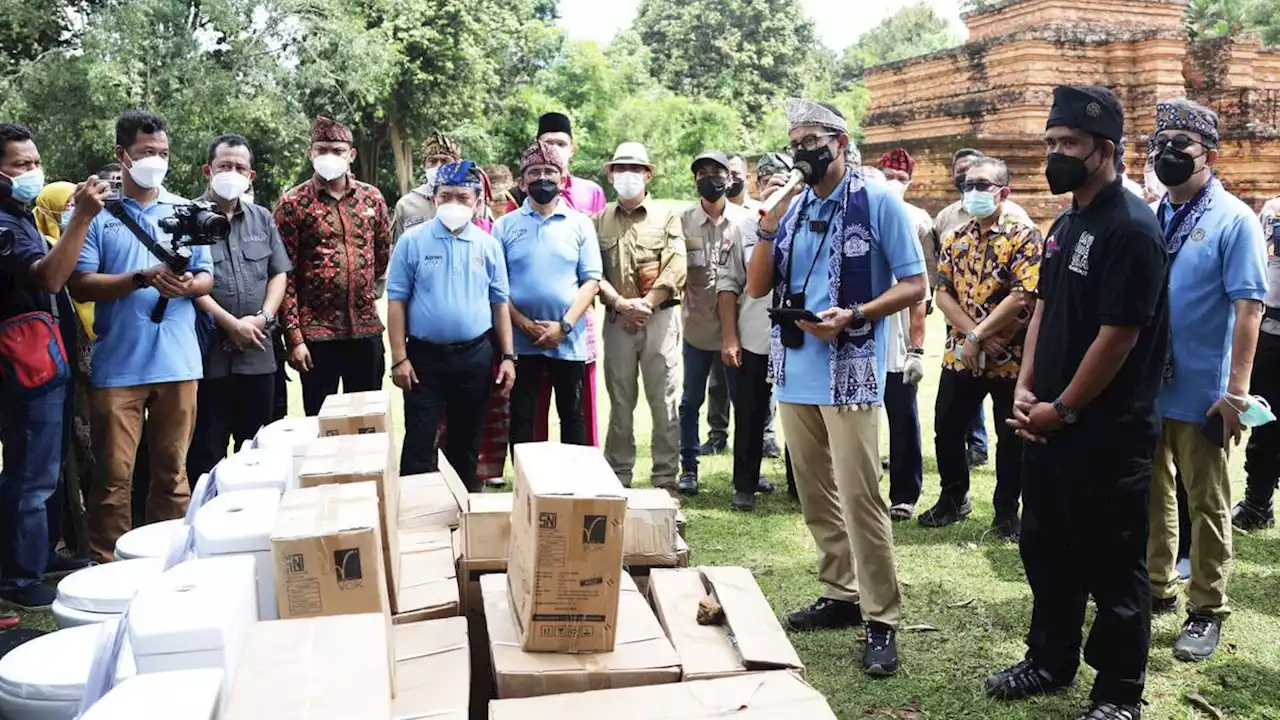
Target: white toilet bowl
{"points": [[100, 593], [149, 541], [44, 679], [257, 468], [240, 523], [293, 434]]}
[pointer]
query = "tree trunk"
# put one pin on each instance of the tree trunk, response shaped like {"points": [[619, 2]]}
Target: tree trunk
{"points": [[402, 147]]}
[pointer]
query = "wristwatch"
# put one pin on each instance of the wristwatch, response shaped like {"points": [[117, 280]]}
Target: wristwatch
{"points": [[915, 351], [140, 281], [859, 317], [1068, 415], [510, 356], [973, 337], [566, 326]]}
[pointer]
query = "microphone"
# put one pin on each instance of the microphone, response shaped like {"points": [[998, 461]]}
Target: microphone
{"points": [[797, 176]]}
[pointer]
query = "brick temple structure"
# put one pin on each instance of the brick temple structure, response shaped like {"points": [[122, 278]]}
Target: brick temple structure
{"points": [[994, 93]]}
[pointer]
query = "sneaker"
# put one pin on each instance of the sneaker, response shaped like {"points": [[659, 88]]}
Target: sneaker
{"points": [[37, 596], [496, 482], [1164, 606], [772, 450], [1023, 680], [946, 512], [880, 658], [826, 614], [1199, 638], [1112, 711], [902, 511], [64, 563], [977, 458], [1247, 516], [714, 446], [688, 483], [746, 502], [1009, 528], [764, 486]]}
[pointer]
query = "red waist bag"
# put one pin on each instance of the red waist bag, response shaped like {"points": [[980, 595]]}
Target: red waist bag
{"points": [[33, 359]]}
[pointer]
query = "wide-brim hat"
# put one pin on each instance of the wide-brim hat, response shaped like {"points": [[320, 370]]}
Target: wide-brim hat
{"points": [[630, 153]]}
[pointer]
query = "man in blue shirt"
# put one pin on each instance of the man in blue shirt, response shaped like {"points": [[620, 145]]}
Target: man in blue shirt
{"points": [[553, 262], [31, 423], [1217, 282], [447, 310], [836, 252], [140, 366]]}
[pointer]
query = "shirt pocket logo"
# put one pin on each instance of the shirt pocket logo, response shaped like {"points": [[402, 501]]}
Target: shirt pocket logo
{"points": [[1080, 255], [433, 261]]}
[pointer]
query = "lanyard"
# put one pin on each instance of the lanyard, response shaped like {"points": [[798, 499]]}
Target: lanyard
{"points": [[817, 251]]}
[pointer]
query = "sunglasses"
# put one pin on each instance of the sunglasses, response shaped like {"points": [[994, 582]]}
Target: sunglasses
{"points": [[980, 186], [1179, 142]]}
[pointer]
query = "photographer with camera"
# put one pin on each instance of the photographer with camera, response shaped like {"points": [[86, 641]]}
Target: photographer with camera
{"points": [[237, 393], [146, 356]]}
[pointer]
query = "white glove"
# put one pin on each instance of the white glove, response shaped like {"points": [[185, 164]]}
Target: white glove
{"points": [[913, 370]]}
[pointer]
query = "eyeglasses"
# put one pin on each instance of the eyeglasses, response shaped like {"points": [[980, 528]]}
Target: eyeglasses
{"points": [[980, 186], [541, 173], [1179, 142], [808, 143]]}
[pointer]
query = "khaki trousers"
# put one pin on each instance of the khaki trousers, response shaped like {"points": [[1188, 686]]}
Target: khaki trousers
{"points": [[652, 354], [836, 456], [1204, 474], [117, 429]]}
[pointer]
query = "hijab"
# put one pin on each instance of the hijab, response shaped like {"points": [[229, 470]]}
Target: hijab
{"points": [[50, 204]]}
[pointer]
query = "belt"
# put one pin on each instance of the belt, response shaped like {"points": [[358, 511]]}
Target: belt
{"points": [[448, 348], [611, 314], [1271, 313]]}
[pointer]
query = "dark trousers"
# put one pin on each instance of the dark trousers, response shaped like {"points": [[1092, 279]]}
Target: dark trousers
{"points": [[567, 378], [232, 407], [1262, 454], [906, 457], [453, 381], [960, 395], [31, 435], [359, 364], [719, 396], [750, 388], [976, 434], [1070, 514], [699, 366]]}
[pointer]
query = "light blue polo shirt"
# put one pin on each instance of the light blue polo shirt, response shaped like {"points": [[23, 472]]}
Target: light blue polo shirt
{"points": [[131, 350], [548, 260], [1213, 269], [895, 253], [448, 282]]}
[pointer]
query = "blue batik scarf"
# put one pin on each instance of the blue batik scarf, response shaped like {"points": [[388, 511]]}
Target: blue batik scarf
{"points": [[853, 352]]}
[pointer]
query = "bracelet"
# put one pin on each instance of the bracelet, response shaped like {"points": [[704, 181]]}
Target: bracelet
{"points": [[765, 235], [916, 351], [396, 365]]}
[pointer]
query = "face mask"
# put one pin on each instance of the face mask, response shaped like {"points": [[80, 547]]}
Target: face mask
{"points": [[431, 175], [980, 204], [27, 186], [543, 191], [454, 216], [229, 185], [330, 167], [736, 188], [712, 187], [65, 220], [629, 185], [149, 172], [1174, 167], [565, 154], [1153, 184], [897, 187], [1256, 413], [817, 162], [1066, 173]]}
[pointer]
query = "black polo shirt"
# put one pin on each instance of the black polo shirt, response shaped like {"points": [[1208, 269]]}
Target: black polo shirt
{"points": [[20, 247], [1105, 264]]}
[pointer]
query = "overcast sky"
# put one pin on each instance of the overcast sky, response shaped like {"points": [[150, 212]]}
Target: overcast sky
{"points": [[842, 21]]}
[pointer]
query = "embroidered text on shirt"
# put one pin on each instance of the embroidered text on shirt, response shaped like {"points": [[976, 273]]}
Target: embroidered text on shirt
{"points": [[1080, 256]]}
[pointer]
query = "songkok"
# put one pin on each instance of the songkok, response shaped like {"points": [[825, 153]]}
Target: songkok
{"points": [[328, 130], [555, 122], [541, 153], [1090, 108], [1182, 114], [461, 173], [898, 159], [806, 112], [441, 144], [774, 164]]}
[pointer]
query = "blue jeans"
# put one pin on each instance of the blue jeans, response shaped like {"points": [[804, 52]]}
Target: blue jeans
{"points": [[698, 366], [976, 437], [32, 440]]}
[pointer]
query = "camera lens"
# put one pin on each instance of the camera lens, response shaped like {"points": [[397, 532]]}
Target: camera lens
{"points": [[212, 224]]}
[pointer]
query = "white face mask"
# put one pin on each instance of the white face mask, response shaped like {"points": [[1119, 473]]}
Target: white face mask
{"points": [[229, 185], [330, 167], [431, 175], [454, 215], [149, 172], [897, 187], [1154, 186], [629, 185]]}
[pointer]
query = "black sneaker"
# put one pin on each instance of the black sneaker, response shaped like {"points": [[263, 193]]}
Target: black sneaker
{"points": [[1023, 680], [31, 597], [771, 449], [1008, 527], [826, 614], [1112, 711], [764, 486], [688, 483], [746, 502], [946, 512], [880, 658], [1247, 516], [977, 458], [1199, 638], [1164, 606], [63, 563], [714, 446]]}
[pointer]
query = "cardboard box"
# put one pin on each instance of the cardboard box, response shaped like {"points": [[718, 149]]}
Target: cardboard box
{"points": [[642, 655], [651, 527], [759, 696], [486, 526], [361, 458], [361, 413], [566, 548], [639, 568], [428, 576], [433, 663], [750, 638], [328, 668], [326, 547], [681, 523], [469, 574], [431, 500]]}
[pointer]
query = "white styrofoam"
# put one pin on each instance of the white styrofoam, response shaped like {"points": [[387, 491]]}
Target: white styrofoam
{"points": [[43, 679], [240, 523], [109, 587], [148, 541], [294, 433], [196, 615], [176, 695], [257, 468]]}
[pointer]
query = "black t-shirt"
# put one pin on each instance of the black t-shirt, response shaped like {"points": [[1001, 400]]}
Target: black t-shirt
{"points": [[21, 245], [1105, 264]]}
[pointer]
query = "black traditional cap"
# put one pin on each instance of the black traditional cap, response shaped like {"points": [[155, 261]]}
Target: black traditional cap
{"points": [[1091, 108], [555, 122], [714, 156]]}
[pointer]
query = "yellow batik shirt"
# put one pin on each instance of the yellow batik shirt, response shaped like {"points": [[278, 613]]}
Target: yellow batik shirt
{"points": [[980, 270]]}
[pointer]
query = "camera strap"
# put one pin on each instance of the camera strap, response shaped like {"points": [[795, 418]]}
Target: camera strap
{"points": [[817, 253], [117, 209]]}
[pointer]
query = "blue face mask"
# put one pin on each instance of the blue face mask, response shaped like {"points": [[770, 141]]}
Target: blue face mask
{"points": [[979, 204], [1256, 411], [27, 186], [66, 219]]}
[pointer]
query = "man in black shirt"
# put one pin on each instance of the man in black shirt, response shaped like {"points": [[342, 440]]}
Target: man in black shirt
{"points": [[1086, 404]]}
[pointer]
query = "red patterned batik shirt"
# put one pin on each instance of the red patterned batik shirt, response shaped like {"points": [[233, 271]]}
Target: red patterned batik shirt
{"points": [[338, 247]]}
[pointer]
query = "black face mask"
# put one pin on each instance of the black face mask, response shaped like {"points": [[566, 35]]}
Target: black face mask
{"points": [[1174, 167], [814, 163], [736, 188], [712, 187], [1066, 173], [543, 191]]}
